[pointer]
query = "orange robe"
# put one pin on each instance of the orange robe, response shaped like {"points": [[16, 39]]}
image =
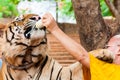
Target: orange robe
{"points": [[103, 71]]}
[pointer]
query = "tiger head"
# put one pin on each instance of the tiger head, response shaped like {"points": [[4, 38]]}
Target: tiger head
{"points": [[23, 44]]}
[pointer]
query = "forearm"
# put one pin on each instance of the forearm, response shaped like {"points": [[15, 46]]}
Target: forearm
{"points": [[74, 48]]}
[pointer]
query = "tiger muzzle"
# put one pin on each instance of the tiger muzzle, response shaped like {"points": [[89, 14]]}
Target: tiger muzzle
{"points": [[29, 30]]}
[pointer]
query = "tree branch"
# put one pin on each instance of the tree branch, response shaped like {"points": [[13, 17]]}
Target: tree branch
{"points": [[112, 8], [114, 11]]}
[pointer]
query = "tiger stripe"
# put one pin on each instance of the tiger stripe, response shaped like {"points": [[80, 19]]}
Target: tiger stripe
{"points": [[25, 54]]}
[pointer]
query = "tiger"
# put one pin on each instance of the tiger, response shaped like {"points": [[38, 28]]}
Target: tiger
{"points": [[25, 53], [24, 50]]}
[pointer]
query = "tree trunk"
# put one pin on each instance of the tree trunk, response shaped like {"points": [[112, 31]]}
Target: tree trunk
{"points": [[117, 5], [92, 29]]}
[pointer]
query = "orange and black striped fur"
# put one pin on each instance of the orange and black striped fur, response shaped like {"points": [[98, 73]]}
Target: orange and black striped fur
{"points": [[24, 53]]}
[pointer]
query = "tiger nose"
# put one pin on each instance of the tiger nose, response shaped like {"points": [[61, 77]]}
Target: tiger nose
{"points": [[36, 18]]}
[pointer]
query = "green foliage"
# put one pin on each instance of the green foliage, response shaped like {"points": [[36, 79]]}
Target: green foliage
{"points": [[8, 8], [68, 9], [15, 1], [104, 8]]}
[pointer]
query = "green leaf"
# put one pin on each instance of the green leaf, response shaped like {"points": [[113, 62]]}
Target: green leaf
{"points": [[8, 8], [1, 15]]}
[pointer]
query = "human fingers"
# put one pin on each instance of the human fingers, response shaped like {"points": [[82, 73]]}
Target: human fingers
{"points": [[47, 19], [47, 15]]}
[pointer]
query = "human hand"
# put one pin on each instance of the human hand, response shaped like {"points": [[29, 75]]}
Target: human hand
{"points": [[49, 22]]}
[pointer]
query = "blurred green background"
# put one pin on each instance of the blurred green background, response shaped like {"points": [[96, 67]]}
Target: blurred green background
{"points": [[8, 8]]}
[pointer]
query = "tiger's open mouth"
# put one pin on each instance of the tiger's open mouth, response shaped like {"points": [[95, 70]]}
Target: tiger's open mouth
{"points": [[29, 30]]}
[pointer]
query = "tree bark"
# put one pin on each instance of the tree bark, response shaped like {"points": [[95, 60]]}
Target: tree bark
{"points": [[117, 5], [92, 29], [115, 10], [112, 8]]}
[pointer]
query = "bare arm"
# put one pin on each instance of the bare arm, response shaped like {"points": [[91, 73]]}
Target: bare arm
{"points": [[75, 49]]}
